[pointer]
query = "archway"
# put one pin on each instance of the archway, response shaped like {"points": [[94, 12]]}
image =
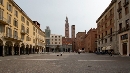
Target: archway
{"points": [[22, 49], [8, 48], [27, 49], [30, 50], [16, 48], [1, 47], [33, 49]]}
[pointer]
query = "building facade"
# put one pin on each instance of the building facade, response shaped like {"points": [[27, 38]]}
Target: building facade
{"points": [[66, 28], [55, 43], [66, 44], [106, 29], [123, 26], [47, 33], [17, 35], [80, 41], [73, 37], [90, 40]]}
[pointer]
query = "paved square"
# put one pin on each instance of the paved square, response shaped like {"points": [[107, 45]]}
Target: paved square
{"points": [[68, 63]]}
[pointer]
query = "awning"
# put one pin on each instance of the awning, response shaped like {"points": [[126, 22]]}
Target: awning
{"points": [[104, 48], [108, 48]]}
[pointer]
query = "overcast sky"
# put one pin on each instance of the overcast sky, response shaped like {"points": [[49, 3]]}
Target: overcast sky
{"points": [[81, 13]]}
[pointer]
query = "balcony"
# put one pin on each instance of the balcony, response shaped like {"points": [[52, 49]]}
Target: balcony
{"points": [[123, 29], [3, 21], [125, 4], [23, 32], [119, 9], [12, 38]]}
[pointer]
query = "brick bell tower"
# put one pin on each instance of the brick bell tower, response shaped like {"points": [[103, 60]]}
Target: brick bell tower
{"points": [[66, 28]]}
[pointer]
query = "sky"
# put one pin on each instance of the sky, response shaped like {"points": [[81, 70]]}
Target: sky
{"points": [[81, 13]]}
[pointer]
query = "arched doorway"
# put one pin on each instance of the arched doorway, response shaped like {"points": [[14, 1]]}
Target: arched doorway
{"points": [[8, 48], [68, 49], [27, 49], [30, 50], [33, 49], [22, 49], [1, 47], [16, 48]]}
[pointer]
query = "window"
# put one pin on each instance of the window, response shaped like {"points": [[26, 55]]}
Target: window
{"points": [[125, 36], [127, 23], [59, 39], [9, 7], [126, 10], [98, 42], [110, 39], [126, 1], [33, 28], [9, 18], [105, 40], [52, 42], [22, 27], [55, 36], [119, 5], [33, 40], [28, 30], [34, 33], [52, 36], [120, 15], [16, 13], [106, 25], [110, 21], [1, 13], [99, 36], [15, 23], [1, 2], [59, 36], [95, 35], [1, 28], [106, 17], [120, 26], [106, 32], [15, 34], [52, 39], [59, 42], [111, 31], [22, 19], [111, 12], [55, 42], [27, 23], [36, 30], [8, 32], [55, 39], [22, 37]]}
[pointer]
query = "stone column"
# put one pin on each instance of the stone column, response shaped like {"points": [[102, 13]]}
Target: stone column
{"points": [[3, 50], [19, 50]]}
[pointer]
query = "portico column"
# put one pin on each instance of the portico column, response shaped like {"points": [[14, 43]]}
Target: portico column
{"points": [[12, 50], [3, 51]]}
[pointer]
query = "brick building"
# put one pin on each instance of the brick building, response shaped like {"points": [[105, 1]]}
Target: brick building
{"points": [[79, 42], [90, 40], [106, 29], [66, 44]]}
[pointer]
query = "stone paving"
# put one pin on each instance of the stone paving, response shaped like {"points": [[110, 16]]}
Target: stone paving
{"points": [[68, 63]]}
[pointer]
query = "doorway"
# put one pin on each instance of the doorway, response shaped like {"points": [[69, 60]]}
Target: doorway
{"points": [[1, 50], [124, 45]]}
